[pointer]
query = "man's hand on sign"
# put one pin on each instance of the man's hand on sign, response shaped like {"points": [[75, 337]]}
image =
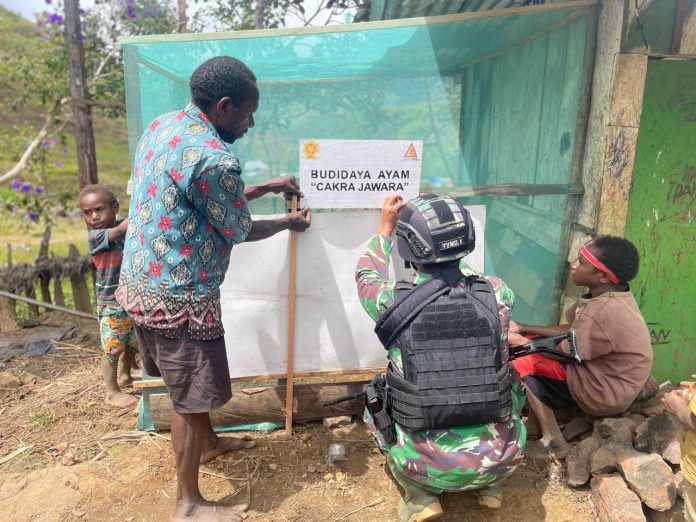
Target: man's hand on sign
{"points": [[391, 207], [299, 221], [287, 185]]}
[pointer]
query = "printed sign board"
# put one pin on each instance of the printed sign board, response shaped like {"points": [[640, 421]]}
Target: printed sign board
{"points": [[358, 173], [333, 331]]}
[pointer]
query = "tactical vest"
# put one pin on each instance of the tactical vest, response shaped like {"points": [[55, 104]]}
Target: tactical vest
{"points": [[455, 372]]}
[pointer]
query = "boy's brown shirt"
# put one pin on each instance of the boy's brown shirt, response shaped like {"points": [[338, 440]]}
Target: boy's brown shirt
{"points": [[614, 344]]}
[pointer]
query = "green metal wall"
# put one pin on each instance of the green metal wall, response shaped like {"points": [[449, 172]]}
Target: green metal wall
{"points": [[661, 216]]}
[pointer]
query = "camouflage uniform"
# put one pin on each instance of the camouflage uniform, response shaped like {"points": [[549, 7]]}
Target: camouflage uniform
{"points": [[459, 458]]}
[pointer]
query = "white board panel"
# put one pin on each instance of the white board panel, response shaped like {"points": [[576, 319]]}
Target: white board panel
{"points": [[358, 173], [332, 330]]}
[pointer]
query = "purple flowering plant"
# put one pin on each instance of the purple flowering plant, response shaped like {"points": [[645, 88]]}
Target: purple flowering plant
{"points": [[25, 201]]}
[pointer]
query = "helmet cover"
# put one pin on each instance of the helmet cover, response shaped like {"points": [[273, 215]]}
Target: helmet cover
{"points": [[434, 229]]}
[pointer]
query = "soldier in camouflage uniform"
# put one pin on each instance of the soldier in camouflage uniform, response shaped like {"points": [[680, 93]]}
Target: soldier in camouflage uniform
{"points": [[427, 462]]}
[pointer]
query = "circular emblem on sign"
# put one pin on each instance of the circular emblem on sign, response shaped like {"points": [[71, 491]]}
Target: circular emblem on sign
{"points": [[310, 149]]}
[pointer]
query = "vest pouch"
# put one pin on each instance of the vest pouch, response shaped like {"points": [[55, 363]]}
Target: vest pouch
{"points": [[414, 408]]}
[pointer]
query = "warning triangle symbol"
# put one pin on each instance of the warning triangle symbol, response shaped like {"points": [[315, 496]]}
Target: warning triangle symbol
{"points": [[411, 152]]}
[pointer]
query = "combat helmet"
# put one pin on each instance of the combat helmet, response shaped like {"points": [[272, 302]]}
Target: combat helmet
{"points": [[434, 229]]}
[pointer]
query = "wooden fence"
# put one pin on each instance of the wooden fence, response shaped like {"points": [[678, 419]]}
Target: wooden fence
{"points": [[22, 279]]}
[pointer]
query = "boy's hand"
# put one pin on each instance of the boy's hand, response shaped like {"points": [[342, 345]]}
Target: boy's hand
{"points": [[515, 339], [515, 327], [675, 401], [391, 207]]}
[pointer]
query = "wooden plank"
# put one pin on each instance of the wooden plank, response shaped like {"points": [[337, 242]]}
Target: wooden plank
{"points": [[34, 302], [256, 405], [629, 84], [511, 189], [318, 374], [688, 38], [536, 225], [522, 42], [58, 291], [678, 29], [616, 180], [609, 33], [292, 284]]}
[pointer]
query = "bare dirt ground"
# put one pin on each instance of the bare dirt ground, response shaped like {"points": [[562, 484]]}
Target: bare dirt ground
{"points": [[83, 460]]}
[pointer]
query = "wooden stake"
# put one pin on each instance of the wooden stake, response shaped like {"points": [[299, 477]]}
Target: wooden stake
{"points": [[292, 280]]}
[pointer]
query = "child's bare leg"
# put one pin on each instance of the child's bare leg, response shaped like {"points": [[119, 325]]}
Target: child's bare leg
{"points": [[114, 395], [532, 425], [126, 362], [552, 440]]}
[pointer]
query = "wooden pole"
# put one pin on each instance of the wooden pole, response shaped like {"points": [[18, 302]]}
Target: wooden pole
{"points": [[58, 291], [8, 315], [43, 255], [82, 115], [79, 286], [36, 303], [292, 280]]}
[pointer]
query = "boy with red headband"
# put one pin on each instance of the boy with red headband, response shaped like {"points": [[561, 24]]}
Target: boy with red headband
{"points": [[613, 342]]}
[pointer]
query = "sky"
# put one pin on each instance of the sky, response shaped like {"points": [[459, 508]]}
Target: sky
{"points": [[27, 8]]}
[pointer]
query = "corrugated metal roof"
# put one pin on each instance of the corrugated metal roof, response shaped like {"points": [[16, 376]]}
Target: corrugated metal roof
{"points": [[395, 9]]}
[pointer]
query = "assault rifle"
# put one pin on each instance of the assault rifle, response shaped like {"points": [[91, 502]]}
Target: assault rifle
{"points": [[547, 345]]}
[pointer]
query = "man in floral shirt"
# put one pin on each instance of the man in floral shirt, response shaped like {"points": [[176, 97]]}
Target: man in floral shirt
{"points": [[429, 461], [188, 210]]}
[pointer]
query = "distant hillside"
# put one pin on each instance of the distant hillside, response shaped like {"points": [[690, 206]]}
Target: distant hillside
{"points": [[14, 29]]}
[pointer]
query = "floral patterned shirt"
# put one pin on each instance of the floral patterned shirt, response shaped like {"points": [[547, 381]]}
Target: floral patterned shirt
{"points": [[187, 211]]}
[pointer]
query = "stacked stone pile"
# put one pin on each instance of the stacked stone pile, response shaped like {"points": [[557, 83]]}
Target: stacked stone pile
{"points": [[630, 462]]}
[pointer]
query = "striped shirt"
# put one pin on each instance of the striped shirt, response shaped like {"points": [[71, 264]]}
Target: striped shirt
{"points": [[106, 256]]}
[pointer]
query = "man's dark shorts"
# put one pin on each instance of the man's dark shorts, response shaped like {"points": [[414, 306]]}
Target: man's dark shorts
{"points": [[547, 379], [195, 372]]}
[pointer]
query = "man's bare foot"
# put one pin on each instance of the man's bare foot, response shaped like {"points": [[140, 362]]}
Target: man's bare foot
{"points": [[121, 400], [205, 511], [543, 450], [224, 444], [125, 380]]}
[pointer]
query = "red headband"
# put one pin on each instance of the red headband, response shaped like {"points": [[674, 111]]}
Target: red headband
{"points": [[598, 264]]}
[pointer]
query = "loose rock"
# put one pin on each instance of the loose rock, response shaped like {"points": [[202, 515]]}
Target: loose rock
{"points": [[637, 418], [7, 380], [614, 501], [578, 461], [661, 437], [676, 514], [336, 422], [602, 462], [653, 406], [640, 442], [622, 439], [649, 390], [610, 426], [650, 477], [680, 483], [28, 378], [575, 428]]}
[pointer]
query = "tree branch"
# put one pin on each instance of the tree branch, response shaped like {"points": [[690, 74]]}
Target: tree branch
{"points": [[24, 160], [93, 103]]}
